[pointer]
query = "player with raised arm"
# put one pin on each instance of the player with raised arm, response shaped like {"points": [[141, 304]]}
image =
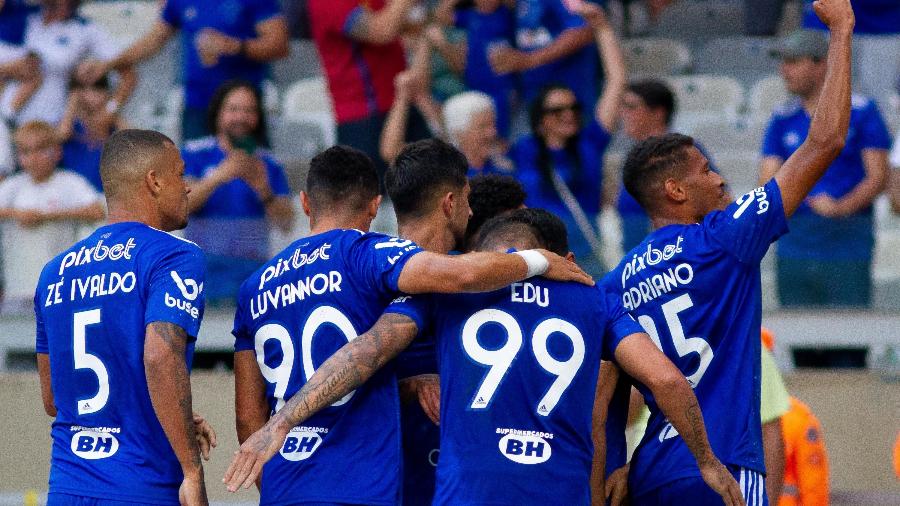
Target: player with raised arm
{"points": [[694, 283], [117, 316], [318, 294], [516, 365]]}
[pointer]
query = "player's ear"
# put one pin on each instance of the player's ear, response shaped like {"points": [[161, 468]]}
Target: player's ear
{"points": [[151, 178], [304, 202], [447, 203], [674, 190], [374, 204]]}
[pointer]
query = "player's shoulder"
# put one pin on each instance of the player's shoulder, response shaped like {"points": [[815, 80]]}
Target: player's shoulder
{"points": [[155, 244], [200, 145], [787, 110]]}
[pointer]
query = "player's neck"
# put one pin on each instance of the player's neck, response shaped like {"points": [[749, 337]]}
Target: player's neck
{"points": [[657, 222], [320, 225], [430, 236], [122, 214]]}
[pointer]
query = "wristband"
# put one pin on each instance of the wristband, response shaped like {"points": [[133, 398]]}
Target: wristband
{"points": [[536, 262]]}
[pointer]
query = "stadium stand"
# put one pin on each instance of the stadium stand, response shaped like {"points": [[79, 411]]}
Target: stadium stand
{"points": [[705, 97], [744, 58], [125, 20], [651, 57], [765, 95]]}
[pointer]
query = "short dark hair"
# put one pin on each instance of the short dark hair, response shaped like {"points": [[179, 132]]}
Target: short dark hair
{"points": [[547, 230], [656, 94], [420, 171], [125, 154], [260, 134], [491, 195], [341, 176], [650, 161]]}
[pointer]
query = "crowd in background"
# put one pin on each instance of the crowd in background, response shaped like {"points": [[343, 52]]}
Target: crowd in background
{"points": [[534, 89]]}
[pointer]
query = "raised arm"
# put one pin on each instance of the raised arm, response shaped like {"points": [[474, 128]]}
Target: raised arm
{"points": [[428, 272], [344, 371], [170, 393], [383, 26], [828, 129], [642, 360], [615, 73]]}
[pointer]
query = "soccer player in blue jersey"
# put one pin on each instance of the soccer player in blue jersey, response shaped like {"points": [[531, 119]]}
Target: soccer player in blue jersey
{"points": [[516, 367], [325, 290], [117, 316], [694, 283]]}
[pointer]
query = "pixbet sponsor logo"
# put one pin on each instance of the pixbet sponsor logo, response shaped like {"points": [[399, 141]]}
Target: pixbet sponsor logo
{"points": [[295, 261], [97, 253]]}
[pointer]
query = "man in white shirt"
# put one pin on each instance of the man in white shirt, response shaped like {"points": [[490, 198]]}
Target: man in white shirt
{"points": [[42, 209]]}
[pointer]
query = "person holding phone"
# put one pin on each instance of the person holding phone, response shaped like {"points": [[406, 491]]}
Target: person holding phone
{"points": [[238, 190]]}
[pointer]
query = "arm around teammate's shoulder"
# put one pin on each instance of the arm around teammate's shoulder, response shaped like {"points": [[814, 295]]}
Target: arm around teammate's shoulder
{"points": [[429, 272], [831, 120]]}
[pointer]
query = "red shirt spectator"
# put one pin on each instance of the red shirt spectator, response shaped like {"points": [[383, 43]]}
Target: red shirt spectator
{"points": [[360, 74]]}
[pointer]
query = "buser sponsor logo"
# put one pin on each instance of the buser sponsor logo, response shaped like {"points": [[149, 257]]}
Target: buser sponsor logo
{"points": [[97, 253], [190, 290]]}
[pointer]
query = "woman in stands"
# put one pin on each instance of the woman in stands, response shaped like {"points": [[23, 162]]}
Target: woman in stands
{"points": [[561, 162]]}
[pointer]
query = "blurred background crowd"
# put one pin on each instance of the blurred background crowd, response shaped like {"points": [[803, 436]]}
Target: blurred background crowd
{"points": [[550, 93]]}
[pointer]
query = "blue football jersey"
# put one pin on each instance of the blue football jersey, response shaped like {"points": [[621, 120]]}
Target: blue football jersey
{"points": [[518, 371], [92, 305], [295, 312], [696, 290]]}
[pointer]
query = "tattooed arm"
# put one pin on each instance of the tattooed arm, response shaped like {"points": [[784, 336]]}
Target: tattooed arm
{"points": [[170, 393], [344, 371], [643, 361]]}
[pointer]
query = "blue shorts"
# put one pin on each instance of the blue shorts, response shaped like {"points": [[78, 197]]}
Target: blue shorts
{"points": [[696, 492], [63, 499]]}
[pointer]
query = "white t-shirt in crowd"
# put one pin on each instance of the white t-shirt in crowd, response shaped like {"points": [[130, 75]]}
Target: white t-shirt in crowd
{"points": [[894, 160], [61, 46], [26, 250]]}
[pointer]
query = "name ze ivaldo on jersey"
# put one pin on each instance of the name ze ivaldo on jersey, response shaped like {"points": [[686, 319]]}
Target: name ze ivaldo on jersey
{"points": [[96, 285]]}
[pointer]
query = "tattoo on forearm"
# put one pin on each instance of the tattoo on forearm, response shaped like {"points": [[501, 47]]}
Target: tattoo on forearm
{"points": [[350, 367], [696, 439]]}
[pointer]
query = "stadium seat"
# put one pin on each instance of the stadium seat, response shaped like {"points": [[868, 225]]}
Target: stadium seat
{"points": [[739, 168], [765, 95], [697, 21], [744, 58], [302, 63], [124, 20], [723, 135], [707, 97], [308, 101], [652, 57]]}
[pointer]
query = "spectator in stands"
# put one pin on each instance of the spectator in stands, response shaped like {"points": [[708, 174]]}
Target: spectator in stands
{"points": [[17, 64], [894, 193], [42, 208], [470, 120], [488, 25], [221, 41], [561, 162], [85, 126], [491, 195], [553, 45], [876, 43], [361, 52], [827, 257], [804, 465], [62, 42], [238, 191]]}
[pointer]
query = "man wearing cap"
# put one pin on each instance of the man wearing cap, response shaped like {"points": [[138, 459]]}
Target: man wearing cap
{"points": [[826, 259]]}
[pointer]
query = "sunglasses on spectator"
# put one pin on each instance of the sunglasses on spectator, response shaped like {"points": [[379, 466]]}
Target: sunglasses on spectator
{"points": [[559, 109]]}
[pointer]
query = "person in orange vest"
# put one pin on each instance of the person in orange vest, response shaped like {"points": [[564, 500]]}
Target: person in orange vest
{"points": [[805, 459]]}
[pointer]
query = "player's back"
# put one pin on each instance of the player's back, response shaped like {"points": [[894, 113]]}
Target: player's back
{"points": [[92, 304], [295, 312], [696, 291], [518, 374]]}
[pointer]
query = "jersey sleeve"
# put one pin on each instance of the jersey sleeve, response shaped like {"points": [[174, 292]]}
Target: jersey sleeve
{"points": [[872, 129], [171, 13], [176, 289], [264, 10], [619, 324], [277, 180], [748, 226], [378, 260], [40, 340], [415, 307], [243, 338], [774, 399], [771, 145]]}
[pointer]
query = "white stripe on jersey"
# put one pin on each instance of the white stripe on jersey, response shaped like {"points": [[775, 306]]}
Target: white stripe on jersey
{"points": [[752, 487]]}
